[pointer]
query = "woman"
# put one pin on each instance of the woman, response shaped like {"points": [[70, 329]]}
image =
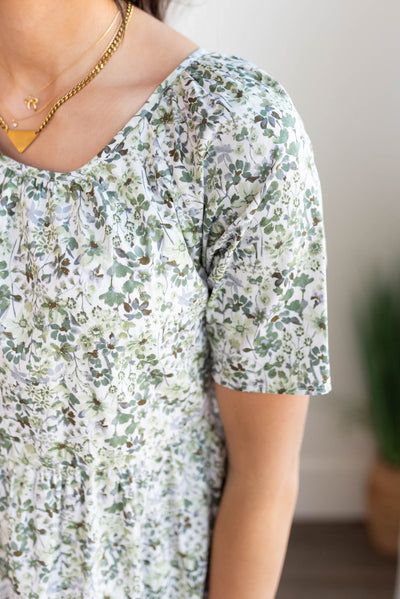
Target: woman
{"points": [[163, 309]]}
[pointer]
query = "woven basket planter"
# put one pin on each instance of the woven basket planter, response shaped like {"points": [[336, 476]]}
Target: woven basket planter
{"points": [[383, 507]]}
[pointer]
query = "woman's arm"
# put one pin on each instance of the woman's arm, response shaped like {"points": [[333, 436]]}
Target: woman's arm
{"points": [[264, 433]]}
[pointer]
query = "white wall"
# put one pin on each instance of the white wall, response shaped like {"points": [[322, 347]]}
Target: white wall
{"points": [[339, 61]]}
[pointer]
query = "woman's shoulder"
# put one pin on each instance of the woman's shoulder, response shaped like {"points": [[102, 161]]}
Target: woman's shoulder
{"points": [[231, 124], [217, 68], [218, 93], [217, 79]]}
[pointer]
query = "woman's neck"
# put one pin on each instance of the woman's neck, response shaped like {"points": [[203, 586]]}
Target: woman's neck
{"points": [[40, 37]]}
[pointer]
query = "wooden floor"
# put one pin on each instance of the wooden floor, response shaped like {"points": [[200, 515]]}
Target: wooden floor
{"points": [[334, 561]]}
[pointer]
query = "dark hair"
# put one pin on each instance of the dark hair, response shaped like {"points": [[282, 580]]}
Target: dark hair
{"points": [[156, 8]]}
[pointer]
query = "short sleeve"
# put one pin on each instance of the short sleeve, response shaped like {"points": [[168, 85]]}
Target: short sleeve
{"points": [[264, 249]]}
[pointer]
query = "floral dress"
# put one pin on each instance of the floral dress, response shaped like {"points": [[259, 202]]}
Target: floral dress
{"points": [[191, 248]]}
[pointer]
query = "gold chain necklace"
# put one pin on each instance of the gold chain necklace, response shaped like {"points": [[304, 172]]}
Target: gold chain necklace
{"points": [[21, 139], [15, 121], [32, 100]]}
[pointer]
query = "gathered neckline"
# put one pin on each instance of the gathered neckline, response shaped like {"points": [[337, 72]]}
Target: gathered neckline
{"points": [[136, 118]]}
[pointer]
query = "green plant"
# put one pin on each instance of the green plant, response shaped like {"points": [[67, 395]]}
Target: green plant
{"points": [[377, 323]]}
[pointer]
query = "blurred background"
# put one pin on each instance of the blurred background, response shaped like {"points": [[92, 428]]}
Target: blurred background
{"points": [[339, 62]]}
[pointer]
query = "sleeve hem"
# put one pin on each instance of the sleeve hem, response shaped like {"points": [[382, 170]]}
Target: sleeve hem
{"points": [[262, 387]]}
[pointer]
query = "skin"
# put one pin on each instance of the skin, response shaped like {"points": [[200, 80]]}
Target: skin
{"points": [[264, 432], [50, 39]]}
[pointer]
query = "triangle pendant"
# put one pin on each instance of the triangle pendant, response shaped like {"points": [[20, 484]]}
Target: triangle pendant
{"points": [[21, 139]]}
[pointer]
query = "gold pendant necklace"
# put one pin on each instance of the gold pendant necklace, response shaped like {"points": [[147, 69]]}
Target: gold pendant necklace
{"points": [[22, 139], [32, 100], [15, 121]]}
